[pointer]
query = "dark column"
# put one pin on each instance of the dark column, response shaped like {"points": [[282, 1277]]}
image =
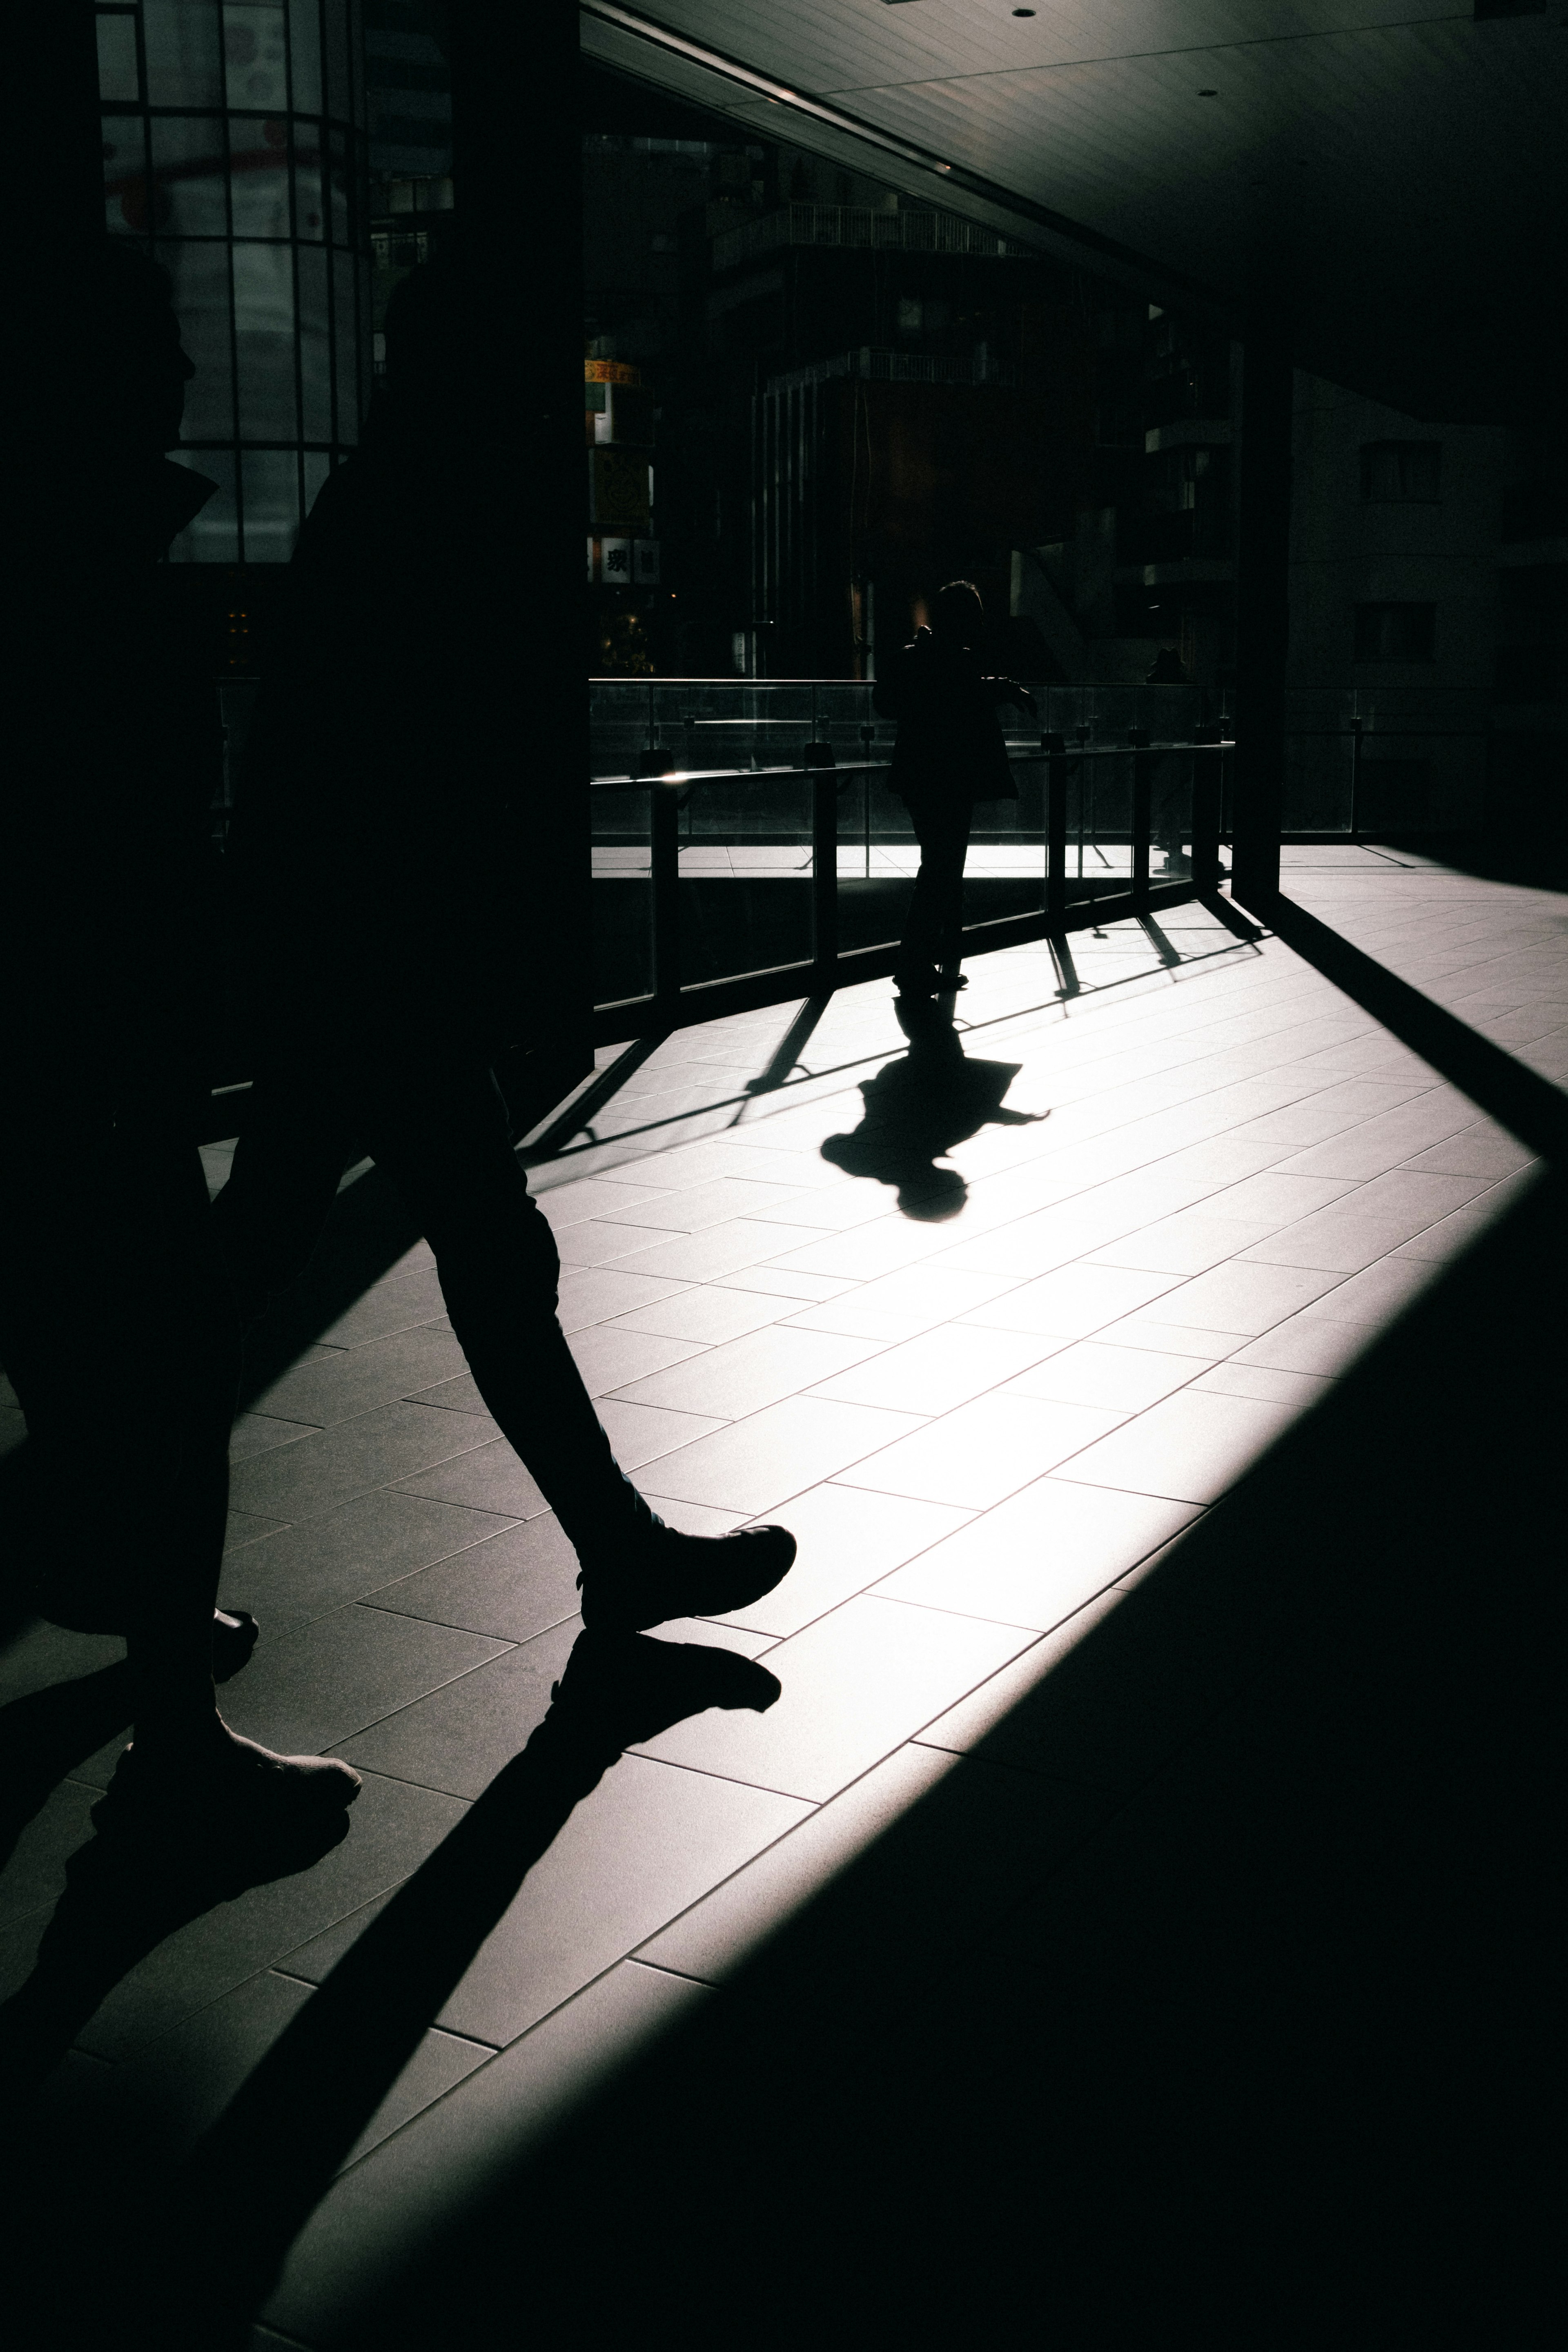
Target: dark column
{"points": [[54, 139], [517, 189], [1263, 611]]}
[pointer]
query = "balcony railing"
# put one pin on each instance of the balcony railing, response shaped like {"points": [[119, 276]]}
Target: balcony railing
{"points": [[747, 847]]}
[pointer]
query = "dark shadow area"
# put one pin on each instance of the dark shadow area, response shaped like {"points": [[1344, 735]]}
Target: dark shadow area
{"points": [[130, 1888], [1534, 864], [1509, 1091], [1206, 2001], [185, 2260], [45, 1735], [919, 1107], [786, 1053]]}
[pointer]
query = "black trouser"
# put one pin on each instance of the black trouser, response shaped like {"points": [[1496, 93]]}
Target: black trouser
{"points": [[436, 1126], [117, 1330], [933, 928]]}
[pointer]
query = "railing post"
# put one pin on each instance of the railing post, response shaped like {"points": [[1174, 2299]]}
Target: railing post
{"points": [[1355, 779], [1207, 759], [1143, 791], [664, 835], [1055, 749], [824, 865]]}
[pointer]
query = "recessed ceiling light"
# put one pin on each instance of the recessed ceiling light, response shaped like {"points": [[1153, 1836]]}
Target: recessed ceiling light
{"points": [[1023, 12]]}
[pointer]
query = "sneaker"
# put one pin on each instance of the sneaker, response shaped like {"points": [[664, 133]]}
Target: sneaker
{"points": [[666, 1574]]}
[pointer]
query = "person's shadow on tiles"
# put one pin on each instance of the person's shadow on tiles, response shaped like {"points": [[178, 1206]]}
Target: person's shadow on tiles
{"points": [[273, 2154], [917, 1109]]}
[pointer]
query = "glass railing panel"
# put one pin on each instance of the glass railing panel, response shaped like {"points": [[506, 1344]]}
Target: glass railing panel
{"points": [[622, 894], [745, 877]]}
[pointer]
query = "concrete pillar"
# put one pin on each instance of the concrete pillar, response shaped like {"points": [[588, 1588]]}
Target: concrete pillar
{"points": [[1263, 610]]}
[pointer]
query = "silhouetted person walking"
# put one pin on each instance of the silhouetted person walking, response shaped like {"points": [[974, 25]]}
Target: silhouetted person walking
{"points": [[380, 836], [116, 1324], [948, 755]]}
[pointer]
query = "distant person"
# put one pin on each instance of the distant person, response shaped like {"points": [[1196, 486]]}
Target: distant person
{"points": [[380, 843], [948, 754], [1166, 669], [116, 1324]]}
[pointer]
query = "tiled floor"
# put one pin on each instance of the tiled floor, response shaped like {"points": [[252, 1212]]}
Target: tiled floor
{"points": [[984, 1378]]}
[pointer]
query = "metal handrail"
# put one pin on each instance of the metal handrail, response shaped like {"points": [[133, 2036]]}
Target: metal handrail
{"points": [[668, 791]]}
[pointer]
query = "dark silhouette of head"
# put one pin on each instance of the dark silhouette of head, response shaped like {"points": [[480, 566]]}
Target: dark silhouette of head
{"points": [[110, 389], [443, 367], [957, 614]]}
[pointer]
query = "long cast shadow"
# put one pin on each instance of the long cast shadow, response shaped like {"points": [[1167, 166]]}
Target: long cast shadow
{"points": [[917, 1108], [187, 2261], [1250, 2050], [1528, 1106]]}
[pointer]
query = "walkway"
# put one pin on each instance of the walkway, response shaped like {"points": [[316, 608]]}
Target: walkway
{"points": [[997, 1336]]}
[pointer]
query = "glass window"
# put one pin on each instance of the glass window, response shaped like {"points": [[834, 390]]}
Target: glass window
{"points": [[338, 188], [337, 58], [190, 174], [264, 341], [255, 55], [1400, 472], [310, 203], [184, 64], [125, 193], [305, 54], [200, 275], [318, 465], [1395, 632], [347, 348], [117, 76], [214, 536], [258, 167], [269, 491], [315, 345]]}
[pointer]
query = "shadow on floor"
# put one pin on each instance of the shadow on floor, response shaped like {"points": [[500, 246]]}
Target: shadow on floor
{"points": [[1205, 1999], [1246, 2050], [182, 2258], [918, 1108]]}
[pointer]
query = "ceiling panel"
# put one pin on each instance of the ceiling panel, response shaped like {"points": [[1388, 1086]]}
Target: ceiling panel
{"points": [[1394, 172]]}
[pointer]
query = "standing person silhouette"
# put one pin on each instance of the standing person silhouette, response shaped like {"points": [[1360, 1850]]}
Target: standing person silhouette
{"points": [[948, 755], [379, 834], [116, 1324]]}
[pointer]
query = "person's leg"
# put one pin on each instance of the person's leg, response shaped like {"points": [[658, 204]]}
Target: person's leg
{"points": [[296, 1134], [935, 916], [119, 1331], [951, 848], [441, 1135]]}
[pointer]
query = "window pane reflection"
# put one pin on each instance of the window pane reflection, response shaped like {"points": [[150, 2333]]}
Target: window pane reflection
{"points": [[315, 345], [348, 357], [305, 50], [181, 39], [190, 171], [309, 205], [125, 197], [269, 485], [258, 162], [200, 275], [117, 75], [254, 55], [264, 341]]}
